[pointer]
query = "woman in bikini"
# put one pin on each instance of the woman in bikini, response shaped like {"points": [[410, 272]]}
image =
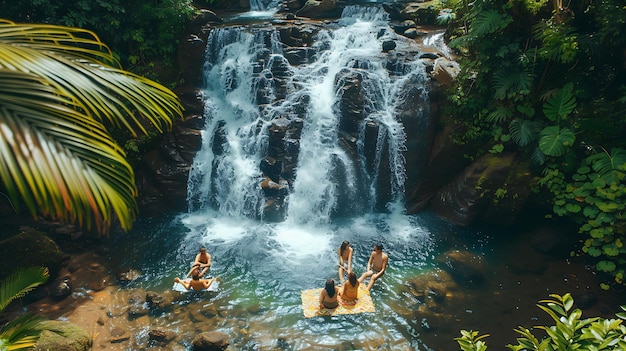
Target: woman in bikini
{"points": [[345, 258], [350, 289], [329, 296]]}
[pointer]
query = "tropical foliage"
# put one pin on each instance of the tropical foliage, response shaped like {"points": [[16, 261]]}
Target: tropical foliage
{"points": [[61, 92], [546, 79], [139, 32], [570, 331], [23, 331]]}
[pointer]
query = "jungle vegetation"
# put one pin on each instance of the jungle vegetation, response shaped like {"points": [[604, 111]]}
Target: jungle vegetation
{"points": [[62, 92], [141, 34], [22, 332], [547, 79], [569, 332]]}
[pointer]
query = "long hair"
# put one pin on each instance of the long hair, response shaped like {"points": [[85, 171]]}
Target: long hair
{"points": [[343, 247], [352, 278], [330, 287]]}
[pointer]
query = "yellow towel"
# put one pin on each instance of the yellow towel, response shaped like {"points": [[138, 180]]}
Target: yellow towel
{"points": [[311, 307]]}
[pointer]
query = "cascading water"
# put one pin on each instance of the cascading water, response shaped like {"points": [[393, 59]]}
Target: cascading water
{"points": [[304, 147]]}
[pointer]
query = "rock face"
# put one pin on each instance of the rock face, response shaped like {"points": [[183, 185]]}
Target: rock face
{"points": [[14, 252], [65, 337], [437, 175]]}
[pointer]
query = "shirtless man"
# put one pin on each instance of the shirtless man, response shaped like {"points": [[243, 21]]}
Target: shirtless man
{"points": [[376, 265], [195, 283], [201, 263]]}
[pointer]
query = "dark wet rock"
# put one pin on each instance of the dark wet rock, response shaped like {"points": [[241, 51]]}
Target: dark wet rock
{"points": [[389, 45], [466, 268], [210, 341], [127, 275], [137, 305], [158, 301], [163, 336], [65, 337], [317, 8], [118, 335], [61, 288], [30, 248]]}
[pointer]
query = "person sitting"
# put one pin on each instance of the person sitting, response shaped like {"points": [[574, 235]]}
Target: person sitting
{"points": [[195, 283], [202, 262], [376, 265], [329, 296], [350, 289], [345, 258]]}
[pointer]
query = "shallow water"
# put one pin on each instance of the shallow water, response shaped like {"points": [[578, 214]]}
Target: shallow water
{"points": [[264, 267]]}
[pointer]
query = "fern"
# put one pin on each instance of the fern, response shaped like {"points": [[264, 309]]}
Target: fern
{"points": [[524, 132], [501, 114], [489, 22], [561, 104], [507, 83]]}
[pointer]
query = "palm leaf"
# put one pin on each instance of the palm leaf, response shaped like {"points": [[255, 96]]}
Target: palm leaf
{"points": [[22, 332], [58, 160], [561, 104], [524, 132], [554, 141], [58, 86], [20, 282]]}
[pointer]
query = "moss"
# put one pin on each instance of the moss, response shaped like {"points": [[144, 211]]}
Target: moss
{"points": [[27, 249]]}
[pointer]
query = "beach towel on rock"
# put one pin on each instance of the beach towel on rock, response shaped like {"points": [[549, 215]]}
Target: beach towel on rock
{"points": [[310, 304]]}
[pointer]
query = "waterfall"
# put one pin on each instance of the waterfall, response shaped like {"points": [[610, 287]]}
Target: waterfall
{"points": [[338, 111]]}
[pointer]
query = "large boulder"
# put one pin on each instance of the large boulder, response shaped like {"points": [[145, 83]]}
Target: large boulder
{"points": [[210, 341], [30, 248], [63, 336]]}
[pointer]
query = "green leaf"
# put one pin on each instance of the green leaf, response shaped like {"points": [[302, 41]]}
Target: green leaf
{"points": [[555, 141], [605, 266], [524, 132], [561, 104]]}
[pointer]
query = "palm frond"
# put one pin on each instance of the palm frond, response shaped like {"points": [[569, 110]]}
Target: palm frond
{"points": [[58, 160], [22, 332], [524, 132], [58, 87], [20, 282]]}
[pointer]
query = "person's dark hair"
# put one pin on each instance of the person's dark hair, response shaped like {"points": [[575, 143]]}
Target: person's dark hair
{"points": [[343, 247], [379, 247], [202, 248], [330, 287], [195, 275], [352, 278]]}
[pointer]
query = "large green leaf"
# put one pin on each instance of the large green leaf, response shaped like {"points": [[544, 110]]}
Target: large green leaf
{"points": [[20, 282], [555, 141], [606, 163], [524, 132], [561, 104], [58, 87]]}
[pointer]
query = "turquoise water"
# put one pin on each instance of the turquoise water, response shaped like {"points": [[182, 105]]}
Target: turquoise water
{"points": [[264, 267]]}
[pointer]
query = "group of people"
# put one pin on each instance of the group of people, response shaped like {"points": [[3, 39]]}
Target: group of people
{"points": [[199, 268], [330, 295]]}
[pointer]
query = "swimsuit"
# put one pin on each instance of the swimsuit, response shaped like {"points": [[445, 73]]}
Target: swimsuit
{"points": [[336, 303]]}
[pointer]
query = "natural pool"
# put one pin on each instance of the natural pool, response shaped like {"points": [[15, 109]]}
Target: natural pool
{"points": [[264, 267]]}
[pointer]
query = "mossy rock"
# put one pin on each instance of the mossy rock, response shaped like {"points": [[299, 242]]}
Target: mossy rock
{"points": [[27, 249], [63, 336]]}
